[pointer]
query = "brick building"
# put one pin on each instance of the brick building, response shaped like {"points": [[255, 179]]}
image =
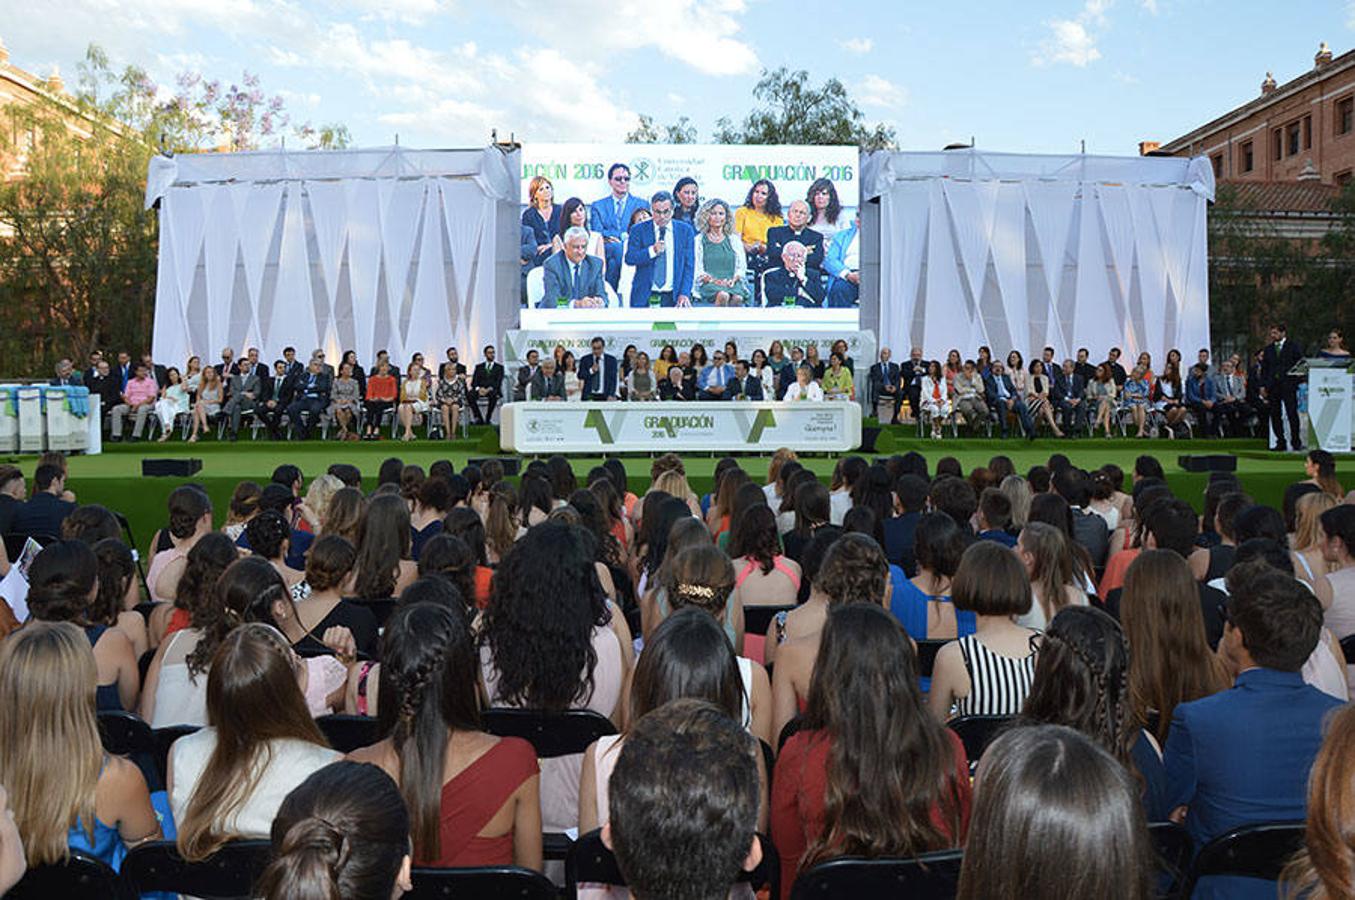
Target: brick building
{"points": [[1302, 130], [18, 86]]}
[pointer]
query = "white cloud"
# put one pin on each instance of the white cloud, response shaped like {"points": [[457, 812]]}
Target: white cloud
{"points": [[1350, 14], [1073, 41], [880, 92], [858, 45], [413, 12], [1150, 6]]}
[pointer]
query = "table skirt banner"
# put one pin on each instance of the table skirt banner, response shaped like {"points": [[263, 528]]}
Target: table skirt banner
{"points": [[717, 426]]}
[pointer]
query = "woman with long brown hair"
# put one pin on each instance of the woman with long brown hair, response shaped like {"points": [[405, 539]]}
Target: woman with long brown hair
{"points": [[1044, 550], [383, 567], [474, 799], [870, 773], [65, 792], [1324, 869], [1171, 662], [227, 780]]}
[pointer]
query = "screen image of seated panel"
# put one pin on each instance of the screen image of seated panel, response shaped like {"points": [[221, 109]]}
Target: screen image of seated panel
{"points": [[629, 234]]}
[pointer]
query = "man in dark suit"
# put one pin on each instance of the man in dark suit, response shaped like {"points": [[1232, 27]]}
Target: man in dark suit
{"points": [[1117, 372], [797, 229], [526, 374], [159, 372], [486, 383], [1068, 394], [884, 385], [310, 398], [292, 365], [104, 386], [244, 390], [597, 372], [1242, 756], [93, 368], [228, 365], [547, 384], [745, 386], [124, 370], [12, 490], [791, 283], [45, 511], [275, 393], [66, 374], [910, 378], [1003, 398], [1084, 367], [663, 253], [571, 277], [1280, 389], [611, 216], [910, 501]]}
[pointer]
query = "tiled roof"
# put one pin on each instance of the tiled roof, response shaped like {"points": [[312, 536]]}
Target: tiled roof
{"points": [[1280, 196]]}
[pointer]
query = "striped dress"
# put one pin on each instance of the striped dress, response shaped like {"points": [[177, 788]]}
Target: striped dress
{"points": [[998, 684]]}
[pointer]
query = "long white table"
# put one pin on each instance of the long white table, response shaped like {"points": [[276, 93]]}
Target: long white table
{"points": [[618, 426]]}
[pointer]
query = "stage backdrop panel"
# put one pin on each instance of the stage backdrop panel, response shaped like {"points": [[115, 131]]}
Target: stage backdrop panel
{"points": [[719, 427], [1018, 251], [403, 250]]}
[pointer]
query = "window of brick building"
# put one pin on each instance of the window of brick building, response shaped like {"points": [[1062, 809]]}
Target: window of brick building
{"points": [[1345, 115], [1248, 157], [1292, 139], [1307, 132], [1343, 178], [1277, 142], [1217, 160]]}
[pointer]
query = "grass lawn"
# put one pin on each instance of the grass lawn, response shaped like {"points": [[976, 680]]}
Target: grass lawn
{"points": [[114, 477]]}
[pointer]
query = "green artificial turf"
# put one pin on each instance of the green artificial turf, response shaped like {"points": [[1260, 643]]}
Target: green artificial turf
{"points": [[114, 477]]}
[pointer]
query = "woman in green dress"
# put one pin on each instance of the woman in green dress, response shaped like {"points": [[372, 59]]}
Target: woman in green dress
{"points": [[721, 266]]}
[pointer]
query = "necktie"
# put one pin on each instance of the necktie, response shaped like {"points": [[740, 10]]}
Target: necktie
{"points": [[618, 203], [574, 287], [661, 262], [720, 376]]}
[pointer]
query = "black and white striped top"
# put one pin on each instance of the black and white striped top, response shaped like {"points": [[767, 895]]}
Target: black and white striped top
{"points": [[998, 684]]}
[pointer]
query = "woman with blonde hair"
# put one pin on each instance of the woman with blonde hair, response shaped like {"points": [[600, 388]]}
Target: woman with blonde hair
{"points": [[315, 506], [1309, 540], [65, 792], [1324, 869], [1018, 491], [211, 394], [675, 483], [721, 262], [773, 486], [227, 780], [413, 399]]}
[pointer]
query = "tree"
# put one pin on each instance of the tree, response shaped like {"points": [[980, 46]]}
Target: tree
{"points": [[680, 132], [793, 111], [78, 253]]}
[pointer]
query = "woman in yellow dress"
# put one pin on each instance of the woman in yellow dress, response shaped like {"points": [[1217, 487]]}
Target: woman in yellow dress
{"points": [[760, 211]]}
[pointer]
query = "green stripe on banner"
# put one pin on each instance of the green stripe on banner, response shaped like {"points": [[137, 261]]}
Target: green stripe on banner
{"points": [[765, 419], [596, 421]]}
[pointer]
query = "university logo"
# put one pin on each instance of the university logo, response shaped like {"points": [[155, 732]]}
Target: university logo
{"points": [[641, 170]]}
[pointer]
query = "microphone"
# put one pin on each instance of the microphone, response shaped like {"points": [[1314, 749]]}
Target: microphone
{"points": [[663, 232]]}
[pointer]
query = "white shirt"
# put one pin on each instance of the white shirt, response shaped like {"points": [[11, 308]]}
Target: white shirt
{"points": [[810, 391], [666, 282]]}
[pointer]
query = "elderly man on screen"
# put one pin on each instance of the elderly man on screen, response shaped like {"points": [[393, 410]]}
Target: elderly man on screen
{"points": [[793, 283], [714, 380], [572, 277], [843, 263], [797, 229]]}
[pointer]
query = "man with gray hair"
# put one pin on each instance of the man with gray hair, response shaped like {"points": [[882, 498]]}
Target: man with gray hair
{"points": [[792, 283], [571, 276], [797, 229]]}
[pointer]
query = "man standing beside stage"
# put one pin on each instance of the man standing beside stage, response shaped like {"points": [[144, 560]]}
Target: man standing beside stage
{"points": [[597, 371], [1279, 389], [486, 384], [884, 385], [663, 253], [611, 216]]}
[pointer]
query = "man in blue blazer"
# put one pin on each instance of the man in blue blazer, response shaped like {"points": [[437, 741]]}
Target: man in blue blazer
{"points": [[572, 276], [597, 373], [663, 253], [1242, 756], [1002, 398], [611, 216]]}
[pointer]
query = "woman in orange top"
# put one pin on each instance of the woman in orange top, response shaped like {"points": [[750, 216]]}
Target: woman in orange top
{"points": [[381, 392]]}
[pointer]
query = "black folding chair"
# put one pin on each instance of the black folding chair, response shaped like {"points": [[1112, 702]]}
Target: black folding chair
{"points": [[1174, 847], [928, 876], [976, 733], [164, 741], [756, 619], [1252, 851], [348, 733], [926, 656], [80, 877], [1348, 649], [551, 734], [487, 883], [590, 862], [228, 874]]}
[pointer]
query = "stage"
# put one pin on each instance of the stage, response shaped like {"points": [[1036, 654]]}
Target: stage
{"points": [[114, 478]]}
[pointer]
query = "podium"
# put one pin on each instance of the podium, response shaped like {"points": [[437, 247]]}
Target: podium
{"points": [[1331, 401]]}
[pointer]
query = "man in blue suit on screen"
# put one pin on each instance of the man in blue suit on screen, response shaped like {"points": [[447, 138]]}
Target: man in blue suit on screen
{"points": [[571, 277], [663, 253], [611, 216]]}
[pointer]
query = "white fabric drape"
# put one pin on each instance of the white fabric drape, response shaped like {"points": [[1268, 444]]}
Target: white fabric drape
{"points": [[1019, 251], [366, 250]]}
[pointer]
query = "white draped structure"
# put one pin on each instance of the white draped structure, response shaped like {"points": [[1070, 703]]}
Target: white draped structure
{"points": [[1022, 251], [403, 250]]}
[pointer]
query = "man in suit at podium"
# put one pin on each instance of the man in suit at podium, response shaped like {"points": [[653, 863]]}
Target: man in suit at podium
{"points": [[611, 216], [597, 373], [1279, 389], [663, 253], [884, 384], [573, 276]]}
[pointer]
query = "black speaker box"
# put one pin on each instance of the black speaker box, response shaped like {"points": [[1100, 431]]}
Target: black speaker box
{"points": [[1215, 462], [178, 468], [511, 464]]}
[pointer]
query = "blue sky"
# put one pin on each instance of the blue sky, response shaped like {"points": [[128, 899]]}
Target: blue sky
{"points": [[1022, 76]]}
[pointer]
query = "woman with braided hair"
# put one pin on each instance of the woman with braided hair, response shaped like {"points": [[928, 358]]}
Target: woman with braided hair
{"points": [[1082, 681], [343, 832], [474, 799]]}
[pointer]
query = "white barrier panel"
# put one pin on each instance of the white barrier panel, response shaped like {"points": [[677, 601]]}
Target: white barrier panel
{"points": [[9, 418], [1329, 408], [717, 426], [32, 427]]}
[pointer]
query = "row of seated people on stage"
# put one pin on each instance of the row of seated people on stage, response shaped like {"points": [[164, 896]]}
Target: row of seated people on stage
{"points": [[1078, 397], [1105, 618], [674, 249]]}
